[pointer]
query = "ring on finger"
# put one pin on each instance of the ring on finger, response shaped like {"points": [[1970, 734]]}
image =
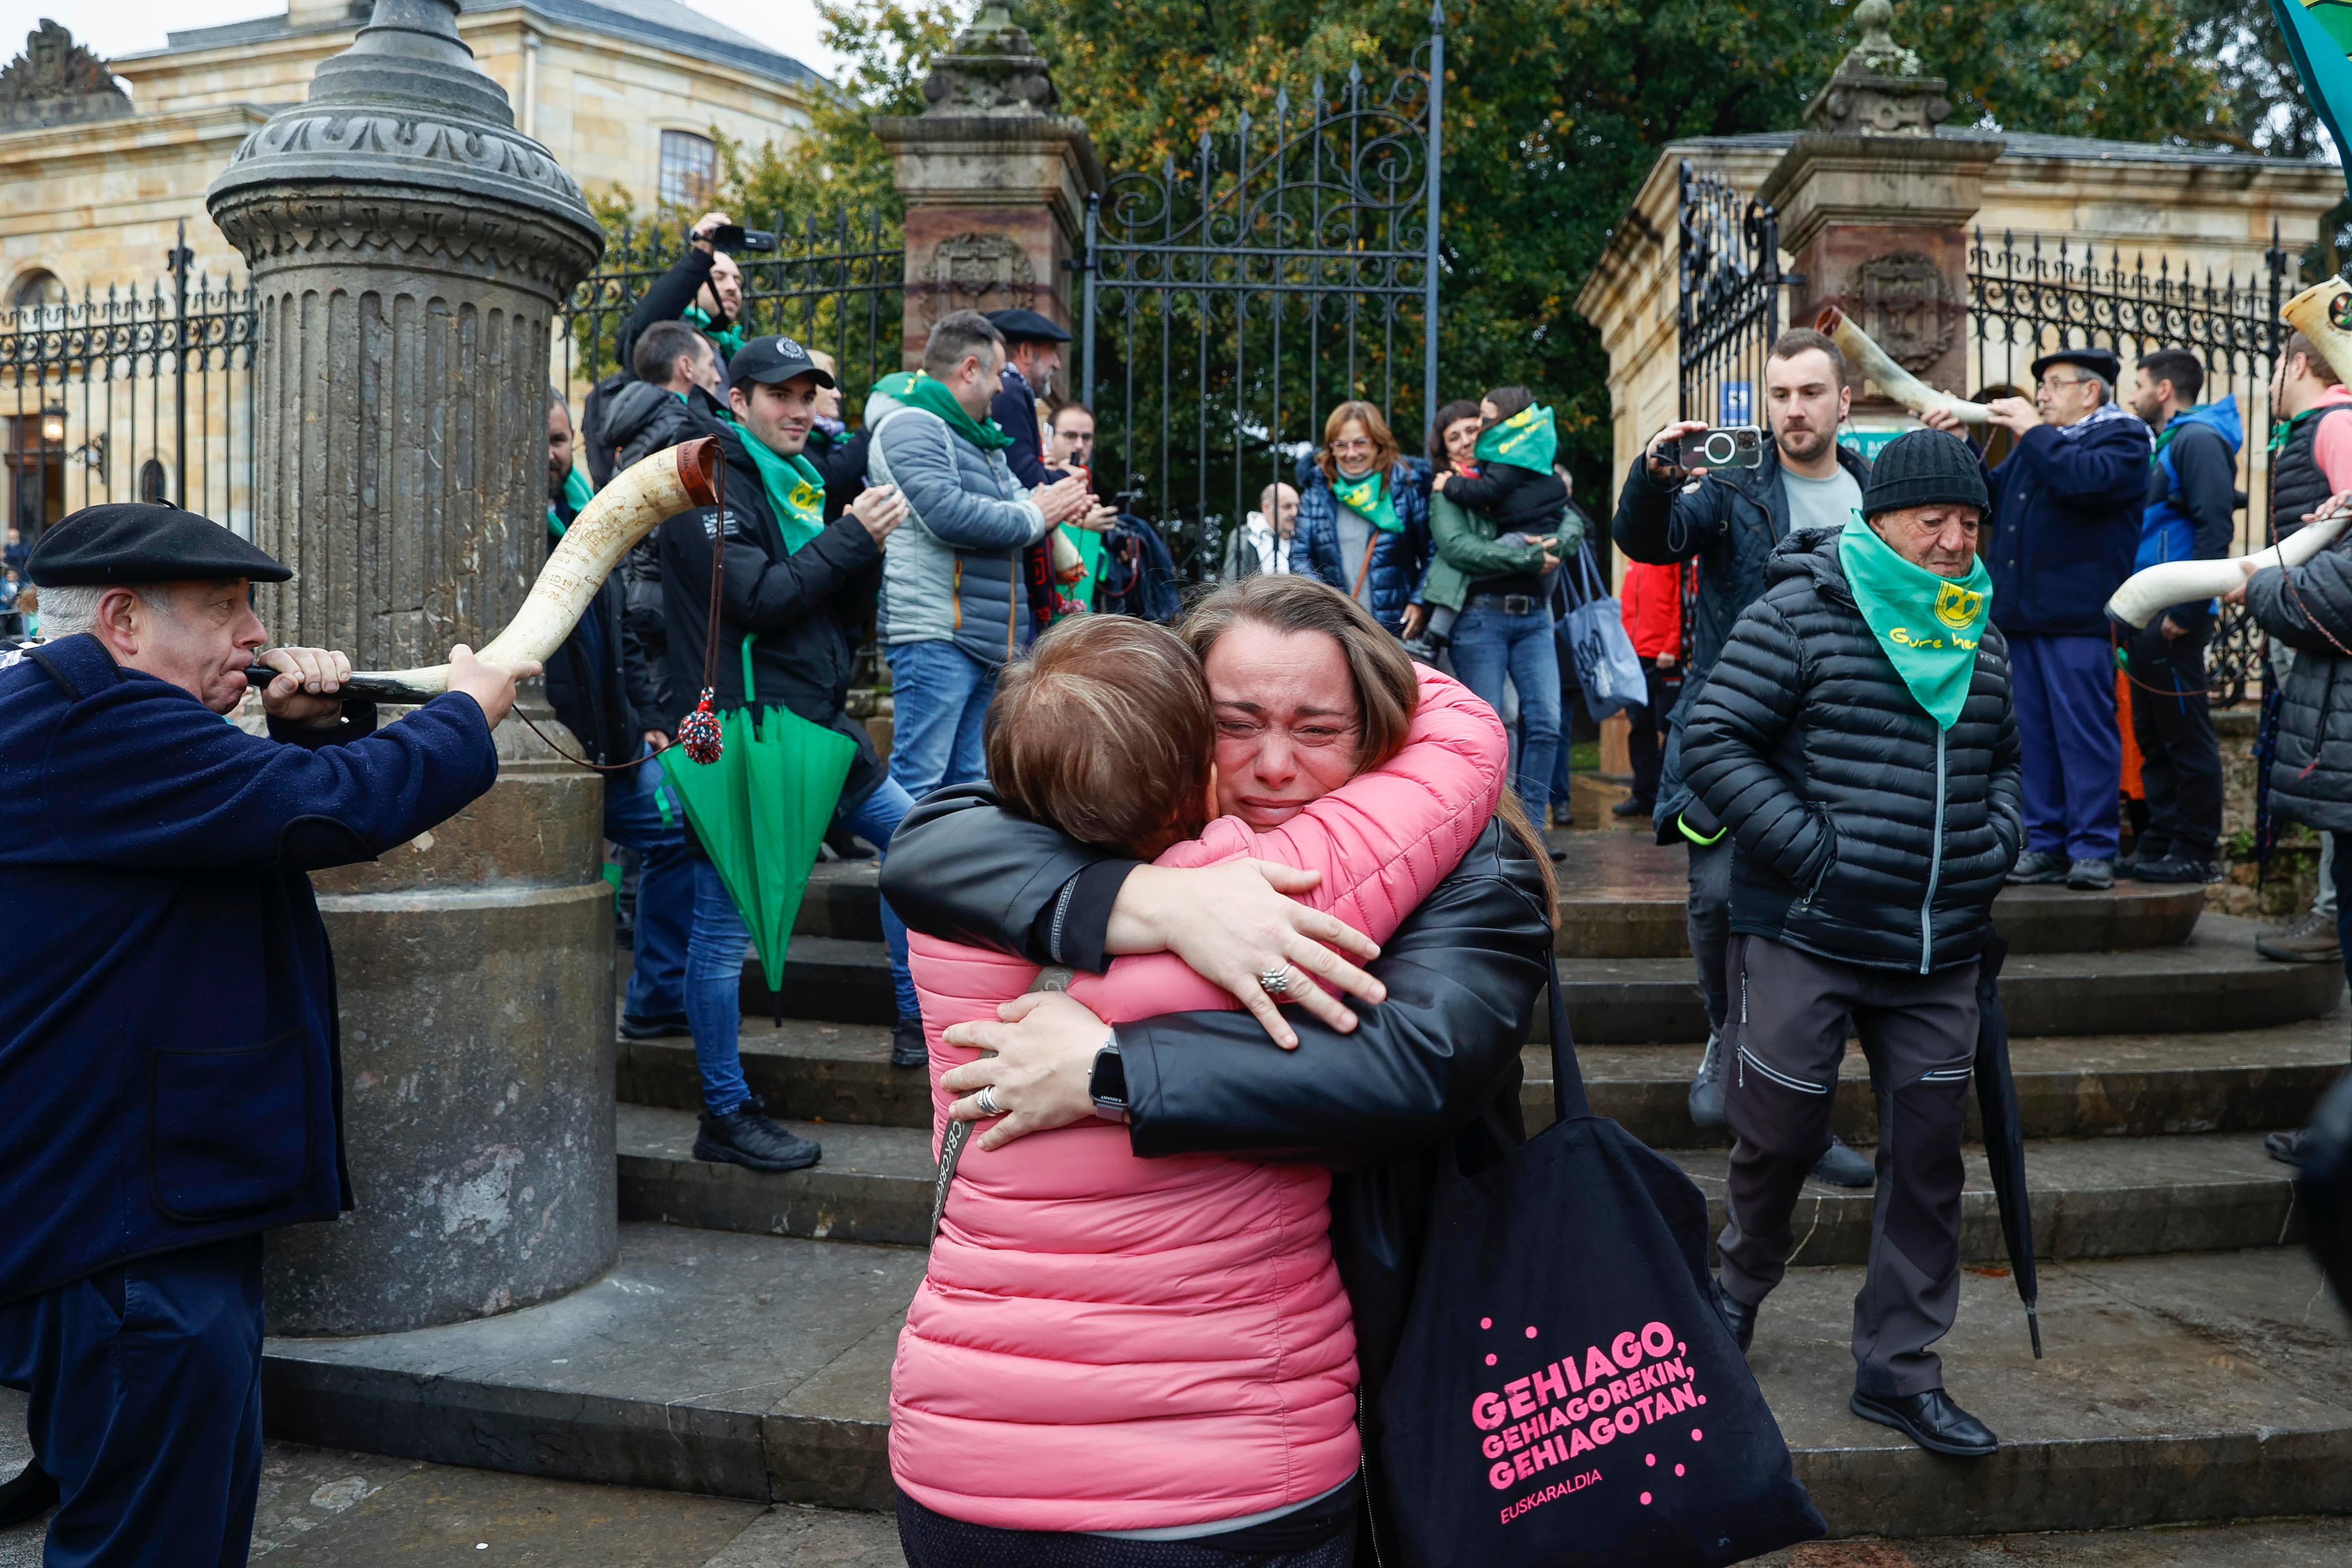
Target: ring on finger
{"points": [[1276, 982], [985, 1101]]}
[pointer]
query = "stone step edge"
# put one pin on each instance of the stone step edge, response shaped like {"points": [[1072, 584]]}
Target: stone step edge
{"points": [[809, 1458]]}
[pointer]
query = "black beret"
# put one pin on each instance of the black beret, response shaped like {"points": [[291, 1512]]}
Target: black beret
{"points": [[2101, 362], [1018, 325], [139, 541]]}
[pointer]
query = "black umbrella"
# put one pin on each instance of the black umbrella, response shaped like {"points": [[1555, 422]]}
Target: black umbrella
{"points": [[2004, 1133]]}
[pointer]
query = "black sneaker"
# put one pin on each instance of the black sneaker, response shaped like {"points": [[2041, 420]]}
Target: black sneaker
{"points": [[2039, 866], [847, 845], [907, 1049], [2311, 939], [1634, 805], [1844, 1167], [653, 1027], [32, 1494], [2287, 1147], [745, 1136], [2176, 868], [2093, 874], [1705, 1090]]}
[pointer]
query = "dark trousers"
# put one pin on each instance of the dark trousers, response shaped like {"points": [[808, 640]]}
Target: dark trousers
{"points": [[2180, 762], [934, 1541], [1643, 741], [1790, 1016], [2065, 689], [146, 1407], [1708, 918]]}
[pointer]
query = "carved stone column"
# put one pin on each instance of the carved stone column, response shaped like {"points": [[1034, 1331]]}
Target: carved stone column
{"points": [[995, 181], [408, 249], [1875, 205]]}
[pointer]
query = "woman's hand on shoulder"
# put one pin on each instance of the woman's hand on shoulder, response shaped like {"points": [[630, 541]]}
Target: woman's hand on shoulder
{"points": [[1233, 924]]}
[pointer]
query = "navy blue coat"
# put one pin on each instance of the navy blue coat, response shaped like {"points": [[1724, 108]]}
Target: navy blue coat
{"points": [[1399, 560], [2065, 526], [168, 1057]]}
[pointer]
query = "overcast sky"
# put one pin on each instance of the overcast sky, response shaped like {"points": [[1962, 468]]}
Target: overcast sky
{"points": [[130, 26]]}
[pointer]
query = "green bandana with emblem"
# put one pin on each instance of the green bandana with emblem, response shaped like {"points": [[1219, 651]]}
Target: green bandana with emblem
{"points": [[1928, 625], [1369, 498], [795, 493]]}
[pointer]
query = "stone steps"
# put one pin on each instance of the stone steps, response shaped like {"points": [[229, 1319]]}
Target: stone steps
{"points": [[2215, 981], [2178, 1389], [2082, 1086], [2101, 1198], [1623, 896]]}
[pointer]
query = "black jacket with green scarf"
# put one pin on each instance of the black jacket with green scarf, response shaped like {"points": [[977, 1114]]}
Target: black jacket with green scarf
{"points": [[805, 609], [1862, 832]]}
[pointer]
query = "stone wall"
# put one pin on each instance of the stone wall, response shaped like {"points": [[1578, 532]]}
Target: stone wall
{"points": [[2286, 887]]}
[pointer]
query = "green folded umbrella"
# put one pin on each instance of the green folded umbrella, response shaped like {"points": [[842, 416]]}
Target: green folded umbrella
{"points": [[761, 810]]}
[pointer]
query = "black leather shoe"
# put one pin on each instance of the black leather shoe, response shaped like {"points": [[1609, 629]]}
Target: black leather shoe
{"points": [[745, 1136], [1739, 1315], [1844, 1167], [907, 1049], [1931, 1419], [2177, 868], [847, 844], [30, 1496], [1634, 805], [657, 1027]]}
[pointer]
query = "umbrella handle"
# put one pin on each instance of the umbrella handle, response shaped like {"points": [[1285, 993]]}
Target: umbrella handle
{"points": [[2033, 1327]]}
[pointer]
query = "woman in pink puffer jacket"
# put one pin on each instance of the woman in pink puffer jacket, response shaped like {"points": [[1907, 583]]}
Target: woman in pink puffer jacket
{"points": [[1106, 1343]]}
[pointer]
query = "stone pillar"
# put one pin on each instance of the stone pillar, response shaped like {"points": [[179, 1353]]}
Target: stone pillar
{"points": [[995, 183], [1874, 207], [408, 249]]}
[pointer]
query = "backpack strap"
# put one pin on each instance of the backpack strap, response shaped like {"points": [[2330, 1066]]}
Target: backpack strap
{"points": [[80, 665], [959, 1133]]}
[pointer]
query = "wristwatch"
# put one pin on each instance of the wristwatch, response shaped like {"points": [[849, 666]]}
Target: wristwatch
{"points": [[1106, 1084]]}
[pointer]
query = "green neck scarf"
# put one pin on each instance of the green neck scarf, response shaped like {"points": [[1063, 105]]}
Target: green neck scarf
{"points": [[1369, 498], [1928, 625], [795, 493], [577, 493], [1528, 439], [921, 391], [729, 338]]}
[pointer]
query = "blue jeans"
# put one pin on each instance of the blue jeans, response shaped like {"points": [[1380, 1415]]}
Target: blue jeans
{"points": [[715, 950], [939, 706], [641, 811], [1488, 645]]}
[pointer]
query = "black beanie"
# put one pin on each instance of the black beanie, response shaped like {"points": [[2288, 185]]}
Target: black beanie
{"points": [[1923, 467]]}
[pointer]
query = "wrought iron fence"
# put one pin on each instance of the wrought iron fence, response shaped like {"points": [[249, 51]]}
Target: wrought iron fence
{"points": [[835, 284], [2029, 294], [1229, 301], [1728, 309], [135, 394]]}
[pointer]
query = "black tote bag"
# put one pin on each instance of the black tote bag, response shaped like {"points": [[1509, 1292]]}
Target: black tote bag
{"points": [[1566, 1391]]}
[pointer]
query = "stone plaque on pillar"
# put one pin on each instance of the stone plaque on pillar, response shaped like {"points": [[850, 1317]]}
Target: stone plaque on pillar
{"points": [[409, 249], [1875, 206], [995, 181]]}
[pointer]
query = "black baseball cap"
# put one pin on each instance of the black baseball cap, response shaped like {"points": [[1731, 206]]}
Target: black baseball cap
{"points": [[1017, 325], [774, 359], [141, 542]]}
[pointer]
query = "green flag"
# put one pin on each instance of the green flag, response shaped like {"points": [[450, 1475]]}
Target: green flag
{"points": [[2319, 34], [1928, 624], [1528, 439]]}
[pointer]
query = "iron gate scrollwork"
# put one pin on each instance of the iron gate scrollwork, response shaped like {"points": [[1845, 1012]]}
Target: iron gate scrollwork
{"points": [[1289, 263], [1728, 307]]}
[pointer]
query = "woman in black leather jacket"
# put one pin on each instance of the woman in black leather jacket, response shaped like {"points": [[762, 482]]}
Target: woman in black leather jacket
{"points": [[1430, 1072]]}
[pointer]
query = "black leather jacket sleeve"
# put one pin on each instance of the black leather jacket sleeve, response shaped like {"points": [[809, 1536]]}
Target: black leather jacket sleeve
{"points": [[963, 868], [1464, 973], [667, 296]]}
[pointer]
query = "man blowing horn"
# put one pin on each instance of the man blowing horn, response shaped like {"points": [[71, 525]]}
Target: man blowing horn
{"points": [[168, 1060]]}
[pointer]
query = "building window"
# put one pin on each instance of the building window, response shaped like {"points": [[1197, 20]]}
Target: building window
{"points": [[689, 169], [35, 289]]}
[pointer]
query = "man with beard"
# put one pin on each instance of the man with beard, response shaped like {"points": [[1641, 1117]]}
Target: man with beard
{"points": [[1730, 522]]}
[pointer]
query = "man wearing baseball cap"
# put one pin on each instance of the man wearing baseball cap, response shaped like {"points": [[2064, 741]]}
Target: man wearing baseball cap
{"points": [[2066, 511], [797, 590], [1856, 738], [170, 1057]]}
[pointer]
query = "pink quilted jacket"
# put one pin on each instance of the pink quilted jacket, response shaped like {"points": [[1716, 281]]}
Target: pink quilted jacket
{"points": [[1108, 1343]]}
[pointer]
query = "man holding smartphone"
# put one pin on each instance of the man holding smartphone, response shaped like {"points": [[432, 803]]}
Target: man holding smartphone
{"points": [[1730, 521]]}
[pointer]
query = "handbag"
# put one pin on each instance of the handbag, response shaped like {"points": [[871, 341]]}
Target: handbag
{"points": [[1594, 631], [1566, 1391]]}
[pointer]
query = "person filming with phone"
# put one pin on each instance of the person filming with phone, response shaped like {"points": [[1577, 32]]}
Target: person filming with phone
{"points": [[1730, 521]]}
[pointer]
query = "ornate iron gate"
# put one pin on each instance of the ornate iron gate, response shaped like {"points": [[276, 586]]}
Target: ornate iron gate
{"points": [[1728, 311], [1290, 264]]}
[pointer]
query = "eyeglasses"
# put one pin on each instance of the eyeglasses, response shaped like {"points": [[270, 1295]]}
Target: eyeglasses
{"points": [[2052, 382]]}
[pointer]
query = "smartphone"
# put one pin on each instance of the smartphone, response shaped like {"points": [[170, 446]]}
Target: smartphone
{"points": [[1733, 446], [732, 237]]}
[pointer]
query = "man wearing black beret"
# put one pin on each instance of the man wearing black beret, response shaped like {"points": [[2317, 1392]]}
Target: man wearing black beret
{"points": [[169, 1058], [2066, 511]]}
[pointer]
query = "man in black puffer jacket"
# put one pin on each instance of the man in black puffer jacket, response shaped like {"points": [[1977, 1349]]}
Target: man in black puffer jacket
{"points": [[1857, 739]]}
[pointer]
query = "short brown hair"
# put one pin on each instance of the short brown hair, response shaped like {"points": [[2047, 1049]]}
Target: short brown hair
{"points": [[1804, 340], [1385, 450], [960, 334], [1387, 689], [2296, 343], [1105, 731]]}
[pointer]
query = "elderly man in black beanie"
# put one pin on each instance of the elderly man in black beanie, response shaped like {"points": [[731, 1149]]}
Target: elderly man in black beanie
{"points": [[1857, 739]]}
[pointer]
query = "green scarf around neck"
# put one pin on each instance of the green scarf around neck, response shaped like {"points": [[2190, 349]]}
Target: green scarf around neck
{"points": [[729, 338], [921, 391], [795, 493], [1369, 498], [1928, 625], [577, 493], [1528, 439]]}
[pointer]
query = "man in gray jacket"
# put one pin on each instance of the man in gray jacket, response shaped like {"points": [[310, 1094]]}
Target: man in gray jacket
{"points": [[954, 606]]}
